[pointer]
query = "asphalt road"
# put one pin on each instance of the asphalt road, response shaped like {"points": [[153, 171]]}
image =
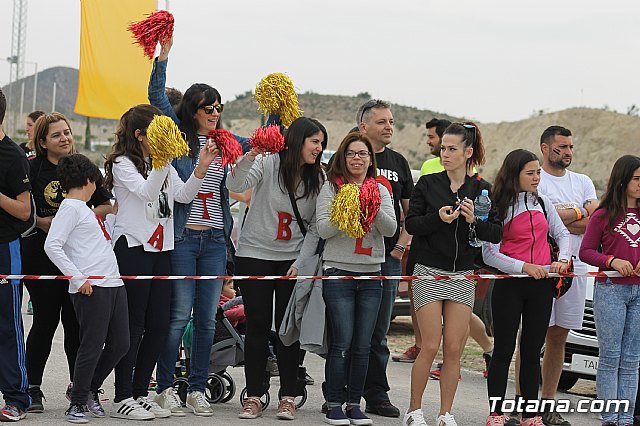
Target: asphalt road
{"points": [[470, 407]]}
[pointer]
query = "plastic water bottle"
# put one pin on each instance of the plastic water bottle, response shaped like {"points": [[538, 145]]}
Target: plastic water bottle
{"points": [[482, 207]]}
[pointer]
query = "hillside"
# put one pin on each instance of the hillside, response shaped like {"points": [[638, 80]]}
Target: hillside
{"points": [[600, 137]]}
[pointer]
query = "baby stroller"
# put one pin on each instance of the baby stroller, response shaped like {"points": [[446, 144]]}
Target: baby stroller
{"points": [[227, 350]]}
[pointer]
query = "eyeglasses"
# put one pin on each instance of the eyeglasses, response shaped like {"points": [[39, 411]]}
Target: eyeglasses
{"points": [[208, 109], [367, 106], [470, 127], [361, 154]]}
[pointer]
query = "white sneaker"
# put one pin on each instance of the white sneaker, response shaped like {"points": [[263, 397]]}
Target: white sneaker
{"points": [[446, 420], [151, 406], [169, 399], [130, 409], [199, 404], [414, 418]]}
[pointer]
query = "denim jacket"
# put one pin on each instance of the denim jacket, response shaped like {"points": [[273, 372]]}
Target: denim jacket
{"points": [[186, 164]]}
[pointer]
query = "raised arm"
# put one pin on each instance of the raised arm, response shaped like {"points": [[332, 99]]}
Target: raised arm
{"points": [[157, 82]]}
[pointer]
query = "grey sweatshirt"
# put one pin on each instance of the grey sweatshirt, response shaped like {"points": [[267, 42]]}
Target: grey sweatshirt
{"points": [[358, 255], [271, 231]]}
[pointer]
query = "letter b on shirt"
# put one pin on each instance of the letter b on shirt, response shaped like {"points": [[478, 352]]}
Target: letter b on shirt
{"points": [[284, 228]]}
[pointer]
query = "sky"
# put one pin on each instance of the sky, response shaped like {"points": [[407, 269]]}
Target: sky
{"points": [[494, 60]]}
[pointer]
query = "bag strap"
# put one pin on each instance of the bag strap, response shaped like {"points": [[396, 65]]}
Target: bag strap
{"points": [[294, 205]]}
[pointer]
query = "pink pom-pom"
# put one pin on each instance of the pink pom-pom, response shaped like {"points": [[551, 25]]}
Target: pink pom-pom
{"points": [[268, 139], [229, 147], [369, 202], [157, 27]]}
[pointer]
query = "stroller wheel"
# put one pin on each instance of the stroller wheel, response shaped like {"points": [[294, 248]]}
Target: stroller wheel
{"points": [[215, 389], [265, 399], [181, 385], [230, 387], [299, 400]]}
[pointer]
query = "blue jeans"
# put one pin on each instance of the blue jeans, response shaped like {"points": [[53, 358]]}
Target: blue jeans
{"points": [[195, 253], [617, 315], [352, 307], [376, 385]]}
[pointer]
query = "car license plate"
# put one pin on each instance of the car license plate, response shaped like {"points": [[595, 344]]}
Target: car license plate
{"points": [[584, 364]]}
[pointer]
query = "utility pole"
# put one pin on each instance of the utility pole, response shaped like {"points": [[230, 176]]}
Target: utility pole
{"points": [[18, 46]]}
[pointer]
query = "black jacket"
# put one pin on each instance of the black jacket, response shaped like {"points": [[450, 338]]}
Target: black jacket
{"points": [[436, 243]]}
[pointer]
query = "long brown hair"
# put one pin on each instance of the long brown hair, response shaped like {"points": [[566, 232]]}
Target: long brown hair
{"points": [[137, 118], [471, 138], [339, 164], [507, 184], [614, 200], [291, 173]]}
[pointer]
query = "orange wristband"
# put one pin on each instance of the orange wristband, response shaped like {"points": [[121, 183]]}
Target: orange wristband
{"points": [[578, 213]]}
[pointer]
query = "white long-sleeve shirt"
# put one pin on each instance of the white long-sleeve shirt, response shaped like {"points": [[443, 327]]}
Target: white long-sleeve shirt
{"points": [[78, 245], [145, 206]]}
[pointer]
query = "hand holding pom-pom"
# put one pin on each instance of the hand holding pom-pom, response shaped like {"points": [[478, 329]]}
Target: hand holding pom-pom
{"points": [[165, 141], [268, 139], [157, 27], [229, 147], [275, 94]]}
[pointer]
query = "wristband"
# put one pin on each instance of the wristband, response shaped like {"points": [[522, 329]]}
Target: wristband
{"points": [[578, 213], [584, 212], [610, 261], [399, 248]]}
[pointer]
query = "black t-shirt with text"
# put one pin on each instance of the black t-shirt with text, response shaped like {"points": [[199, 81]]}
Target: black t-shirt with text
{"points": [[14, 180], [48, 194], [395, 168]]}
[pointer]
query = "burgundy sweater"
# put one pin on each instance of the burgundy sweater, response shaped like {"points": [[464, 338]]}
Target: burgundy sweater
{"points": [[623, 242]]}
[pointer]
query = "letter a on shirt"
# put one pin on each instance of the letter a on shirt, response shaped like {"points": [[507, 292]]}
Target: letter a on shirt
{"points": [[157, 239], [284, 230]]}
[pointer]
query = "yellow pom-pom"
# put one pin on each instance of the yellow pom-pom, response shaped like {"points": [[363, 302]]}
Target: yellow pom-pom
{"points": [[165, 141], [345, 211], [275, 94]]}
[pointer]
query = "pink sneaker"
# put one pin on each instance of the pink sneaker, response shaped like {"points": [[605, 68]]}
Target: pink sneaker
{"points": [[495, 420], [532, 421]]}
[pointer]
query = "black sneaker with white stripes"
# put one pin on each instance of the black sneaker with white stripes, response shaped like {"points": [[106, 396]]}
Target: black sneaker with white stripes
{"points": [[131, 410]]}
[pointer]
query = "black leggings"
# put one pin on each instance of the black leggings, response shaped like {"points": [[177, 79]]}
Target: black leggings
{"points": [[51, 303], [513, 299], [258, 306], [149, 303]]}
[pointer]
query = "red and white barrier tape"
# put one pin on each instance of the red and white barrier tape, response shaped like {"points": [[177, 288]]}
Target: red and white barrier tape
{"points": [[610, 274]]}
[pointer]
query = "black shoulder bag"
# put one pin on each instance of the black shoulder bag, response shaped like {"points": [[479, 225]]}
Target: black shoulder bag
{"points": [[296, 212]]}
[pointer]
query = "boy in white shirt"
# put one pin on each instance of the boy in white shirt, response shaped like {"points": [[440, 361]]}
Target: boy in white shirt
{"points": [[78, 244]]}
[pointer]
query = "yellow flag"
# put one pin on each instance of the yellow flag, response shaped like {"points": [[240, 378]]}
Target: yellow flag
{"points": [[114, 73]]}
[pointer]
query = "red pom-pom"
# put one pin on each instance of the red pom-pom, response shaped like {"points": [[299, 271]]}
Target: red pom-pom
{"points": [[157, 27], [229, 147], [268, 139], [369, 202]]}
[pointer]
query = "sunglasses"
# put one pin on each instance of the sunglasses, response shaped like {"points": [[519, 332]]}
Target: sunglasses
{"points": [[208, 109], [367, 106], [470, 127]]}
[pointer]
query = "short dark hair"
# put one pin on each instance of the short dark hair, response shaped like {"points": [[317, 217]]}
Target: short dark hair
{"points": [[174, 96], [364, 112], [3, 106], [75, 170], [440, 125], [34, 115], [553, 131]]}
